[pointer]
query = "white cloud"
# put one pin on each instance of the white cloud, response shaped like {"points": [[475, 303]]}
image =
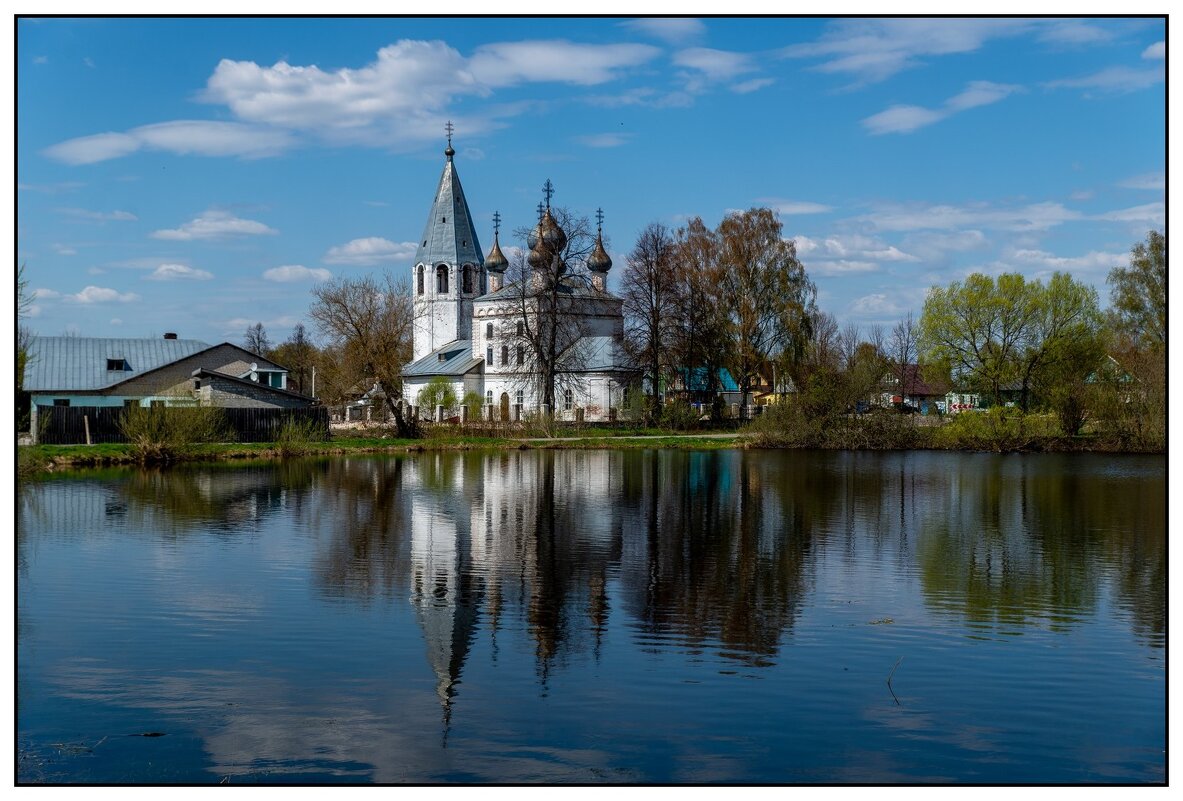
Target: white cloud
{"points": [[370, 250], [1074, 32], [97, 294], [289, 273], [790, 207], [511, 63], [919, 217], [1093, 261], [905, 119], [1081, 194], [214, 224], [714, 64], [875, 305], [178, 272], [116, 321], [933, 246], [40, 59], [33, 310], [804, 245], [848, 253], [673, 30], [1113, 80], [1150, 180], [753, 85], [604, 139], [183, 137], [63, 250], [874, 50], [1149, 213], [1156, 51], [100, 216], [841, 267], [46, 294]]}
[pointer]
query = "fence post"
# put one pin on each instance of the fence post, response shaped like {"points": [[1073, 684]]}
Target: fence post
{"points": [[86, 427]]}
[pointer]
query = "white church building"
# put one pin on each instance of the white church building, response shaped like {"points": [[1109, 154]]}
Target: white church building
{"points": [[477, 328]]}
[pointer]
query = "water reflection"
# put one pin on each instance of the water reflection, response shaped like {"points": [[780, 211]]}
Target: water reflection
{"points": [[544, 563]]}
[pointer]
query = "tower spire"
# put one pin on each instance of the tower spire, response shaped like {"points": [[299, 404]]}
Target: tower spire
{"points": [[448, 128]]}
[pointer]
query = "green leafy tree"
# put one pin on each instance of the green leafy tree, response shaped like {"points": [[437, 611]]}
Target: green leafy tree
{"points": [[438, 392], [1063, 343], [1139, 294]]}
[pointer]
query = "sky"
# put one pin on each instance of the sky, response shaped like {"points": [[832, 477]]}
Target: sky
{"points": [[200, 175]]}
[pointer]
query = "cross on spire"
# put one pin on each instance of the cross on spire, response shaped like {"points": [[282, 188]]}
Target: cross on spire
{"points": [[449, 128], [548, 189], [496, 223], [540, 211], [599, 219]]}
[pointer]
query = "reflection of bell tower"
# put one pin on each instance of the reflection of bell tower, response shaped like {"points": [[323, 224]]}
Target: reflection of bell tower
{"points": [[445, 593], [449, 268]]}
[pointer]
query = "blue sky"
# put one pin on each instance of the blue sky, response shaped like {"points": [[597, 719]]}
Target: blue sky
{"points": [[199, 175]]}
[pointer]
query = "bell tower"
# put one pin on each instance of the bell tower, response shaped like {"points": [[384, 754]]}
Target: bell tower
{"points": [[449, 269]]}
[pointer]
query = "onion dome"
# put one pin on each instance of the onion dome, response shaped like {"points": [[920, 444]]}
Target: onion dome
{"points": [[496, 260], [599, 260], [549, 239]]}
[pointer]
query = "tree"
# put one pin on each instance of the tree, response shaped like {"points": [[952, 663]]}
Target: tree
{"points": [[976, 330], [766, 294], [1063, 341], [437, 392], [650, 292], [370, 324], [551, 298], [297, 354], [24, 305], [256, 341], [699, 336], [1139, 293], [901, 353]]}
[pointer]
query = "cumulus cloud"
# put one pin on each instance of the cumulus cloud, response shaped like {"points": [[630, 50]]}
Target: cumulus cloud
{"points": [[178, 272], [1092, 261], [369, 251], [668, 29], [1074, 32], [46, 294], [1156, 51], [1148, 213], [183, 137], [290, 273], [714, 64], [97, 294], [876, 304], [840, 254], [510, 63], [842, 267], [214, 224], [906, 119]]}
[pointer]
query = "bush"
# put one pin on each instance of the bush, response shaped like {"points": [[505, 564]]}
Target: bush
{"points": [[997, 429], [164, 434], [679, 415], [438, 392], [295, 437], [790, 425]]}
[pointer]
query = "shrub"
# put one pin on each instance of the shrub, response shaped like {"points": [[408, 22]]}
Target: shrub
{"points": [[997, 429], [295, 437], [679, 415], [160, 435], [438, 392]]}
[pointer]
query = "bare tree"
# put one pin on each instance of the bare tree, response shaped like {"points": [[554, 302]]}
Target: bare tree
{"points": [[649, 289], [256, 340], [297, 354], [767, 295], [700, 332], [551, 296], [370, 322], [902, 354]]}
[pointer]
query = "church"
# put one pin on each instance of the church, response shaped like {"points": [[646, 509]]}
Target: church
{"points": [[542, 335]]}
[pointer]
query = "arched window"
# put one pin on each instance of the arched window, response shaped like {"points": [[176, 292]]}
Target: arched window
{"points": [[441, 279], [488, 330], [488, 397], [504, 355], [521, 355], [419, 278], [521, 328], [468, 278]]}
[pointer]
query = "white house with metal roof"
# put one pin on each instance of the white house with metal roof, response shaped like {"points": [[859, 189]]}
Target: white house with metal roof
{"points": [[473, 329]]}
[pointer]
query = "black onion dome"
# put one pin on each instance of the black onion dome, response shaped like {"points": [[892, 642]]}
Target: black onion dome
{"points": [[599, 261], [496, 260]]}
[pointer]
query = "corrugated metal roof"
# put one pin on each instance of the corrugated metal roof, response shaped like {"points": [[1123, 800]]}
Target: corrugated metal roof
{"points": [[80, 363], [449, 236], [457, 360]]}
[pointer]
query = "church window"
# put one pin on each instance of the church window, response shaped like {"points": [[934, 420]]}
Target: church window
{"points": [[521, 355], [468, 278], [521, 398], [521, 328], [441, 279], [489, 355], [488, 330], [504, 355], [568, 399], [488, 397], [420, 278]]}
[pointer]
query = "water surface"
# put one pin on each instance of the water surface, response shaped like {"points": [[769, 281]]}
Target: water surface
{"points": [[597, 616]]}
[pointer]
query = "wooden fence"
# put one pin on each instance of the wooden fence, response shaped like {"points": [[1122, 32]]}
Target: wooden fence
{"points": [[67, 425]]}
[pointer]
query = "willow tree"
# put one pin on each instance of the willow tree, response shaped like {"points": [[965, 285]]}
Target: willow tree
{"points": [[767, 297], [370, 323]]}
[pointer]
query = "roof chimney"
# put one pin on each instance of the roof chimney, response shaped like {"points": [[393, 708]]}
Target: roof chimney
{"points": [[170, 335]]}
